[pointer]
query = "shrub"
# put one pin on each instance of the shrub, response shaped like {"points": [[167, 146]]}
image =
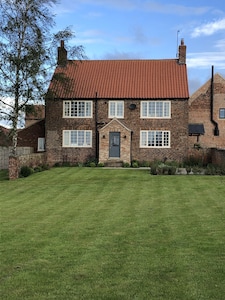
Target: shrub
{"points": [[100, 165], [38, 169], [66, 164], [135, 164], [160, 168], [44, 167], [171, 170], [153, 170], [144, 164], [193, 161], [26, 171], [188, 169], [197, 170], [214, 170], [92, 164], [126, 165]]}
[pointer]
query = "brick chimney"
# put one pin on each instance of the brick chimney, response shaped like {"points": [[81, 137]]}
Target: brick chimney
{"points": [[62, 55], [182, 53]]}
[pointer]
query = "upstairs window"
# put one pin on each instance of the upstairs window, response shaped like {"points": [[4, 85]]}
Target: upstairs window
{"points": [[77, 109], [77, 138], [116, 109], [156, 109], [222, 113], [154, 139]]}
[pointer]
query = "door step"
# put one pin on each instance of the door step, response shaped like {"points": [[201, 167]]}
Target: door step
{"points": [[113, 163]]}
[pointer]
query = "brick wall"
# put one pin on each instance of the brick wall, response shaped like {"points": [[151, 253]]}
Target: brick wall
{"points": [[55, 123], [218, 157], [31, 160], [178, 125]]}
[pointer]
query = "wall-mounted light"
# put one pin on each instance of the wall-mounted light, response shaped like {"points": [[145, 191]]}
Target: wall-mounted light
{"points": [[103, 136], [125, 137], [132, 106]]}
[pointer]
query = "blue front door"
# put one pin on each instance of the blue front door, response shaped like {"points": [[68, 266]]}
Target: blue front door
{"points": [[114, 144]]}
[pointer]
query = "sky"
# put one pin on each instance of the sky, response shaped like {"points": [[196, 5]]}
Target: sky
{"points": [[145, 29]]}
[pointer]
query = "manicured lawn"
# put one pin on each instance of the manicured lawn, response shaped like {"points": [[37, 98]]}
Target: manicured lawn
{"points": [[95, 233]]}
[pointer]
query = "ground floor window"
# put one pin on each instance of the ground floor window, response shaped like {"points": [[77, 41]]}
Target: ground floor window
{"points": [[77, 138], [154, 139], [41, 144]]}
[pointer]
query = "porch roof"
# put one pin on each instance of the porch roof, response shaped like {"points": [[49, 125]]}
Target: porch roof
{"points": [[196, 129]]}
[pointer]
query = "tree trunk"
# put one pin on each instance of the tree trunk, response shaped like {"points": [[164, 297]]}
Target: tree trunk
{"points": [[14, 134]]}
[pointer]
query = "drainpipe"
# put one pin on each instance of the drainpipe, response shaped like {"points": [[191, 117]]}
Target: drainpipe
{"points": [[216, 129], [96, 128]]}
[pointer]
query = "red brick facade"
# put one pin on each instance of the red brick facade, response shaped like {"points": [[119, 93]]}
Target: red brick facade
{"points": [[129, 127]]}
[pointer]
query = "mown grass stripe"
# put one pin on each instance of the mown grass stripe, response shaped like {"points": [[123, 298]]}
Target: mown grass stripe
{"points": [[83, 233]]}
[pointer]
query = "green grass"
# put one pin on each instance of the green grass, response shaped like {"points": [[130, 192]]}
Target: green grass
{"points": [[89, 233]]}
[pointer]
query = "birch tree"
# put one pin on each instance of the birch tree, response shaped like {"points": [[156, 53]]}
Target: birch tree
{"points": [[26, 45]]}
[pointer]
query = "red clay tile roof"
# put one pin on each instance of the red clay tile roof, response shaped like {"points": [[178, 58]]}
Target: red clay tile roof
{"points": [[122, 79]]}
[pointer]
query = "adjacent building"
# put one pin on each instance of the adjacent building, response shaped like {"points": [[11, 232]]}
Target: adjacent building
{"points": [[207, 119]]}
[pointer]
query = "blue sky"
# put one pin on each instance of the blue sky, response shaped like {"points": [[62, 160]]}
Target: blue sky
{"points": [[145, 29]]}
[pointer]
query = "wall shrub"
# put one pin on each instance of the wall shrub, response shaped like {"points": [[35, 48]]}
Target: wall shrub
{"points": [[26, 171]]}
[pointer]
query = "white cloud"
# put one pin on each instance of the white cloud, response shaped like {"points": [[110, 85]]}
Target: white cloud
{"points": [[91, 36], [121, 55], [209, 28], [220, 44], [205, 59]]}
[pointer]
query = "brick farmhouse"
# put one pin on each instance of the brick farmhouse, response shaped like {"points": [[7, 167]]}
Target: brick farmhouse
{"points": [[117, 110]]}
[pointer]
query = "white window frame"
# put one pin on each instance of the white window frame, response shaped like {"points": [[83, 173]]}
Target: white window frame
{"points": [[41, 144], [116, 109], [77, 109], [156, 109], [77, 138], [150, 139]]}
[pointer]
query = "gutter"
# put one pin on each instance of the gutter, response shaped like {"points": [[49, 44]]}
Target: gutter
{"points": [[216, 129]]}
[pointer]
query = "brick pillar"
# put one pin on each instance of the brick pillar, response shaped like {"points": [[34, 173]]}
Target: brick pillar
{"points": [[13, 167]]}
